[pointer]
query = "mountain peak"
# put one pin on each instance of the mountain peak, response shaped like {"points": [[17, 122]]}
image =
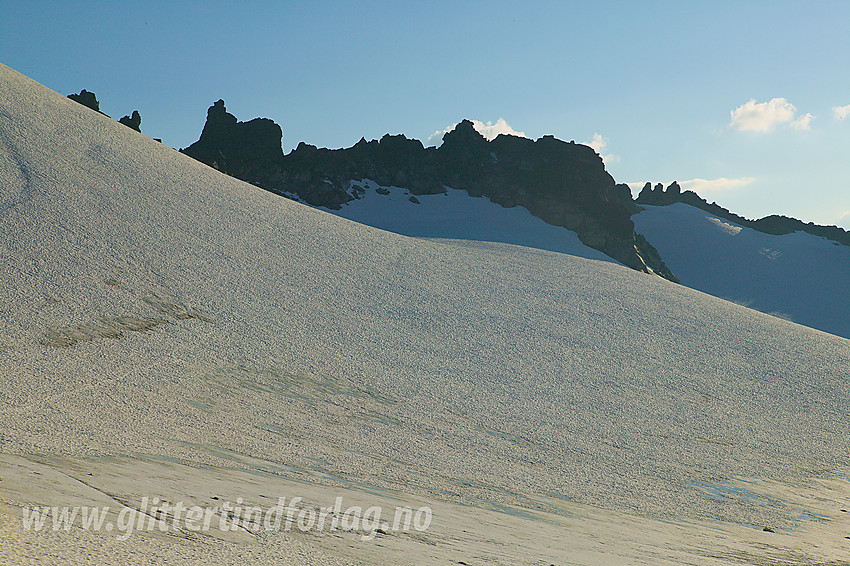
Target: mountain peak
{"points": [[464, 135], [231, 146]]}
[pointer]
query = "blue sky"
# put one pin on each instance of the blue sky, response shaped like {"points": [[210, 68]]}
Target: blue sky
{"points": [[746, 96]]}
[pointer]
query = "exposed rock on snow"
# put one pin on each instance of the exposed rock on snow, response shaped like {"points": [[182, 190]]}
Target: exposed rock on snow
{"points": [[87, 99], [133, 122]]}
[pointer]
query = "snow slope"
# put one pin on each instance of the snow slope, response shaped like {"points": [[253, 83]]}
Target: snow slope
{"points": [[456, 215], [170, 331], [797, 276]]}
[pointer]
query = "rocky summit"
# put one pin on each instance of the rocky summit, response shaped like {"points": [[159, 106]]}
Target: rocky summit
{"points": [[240, 149], [563, 183]]}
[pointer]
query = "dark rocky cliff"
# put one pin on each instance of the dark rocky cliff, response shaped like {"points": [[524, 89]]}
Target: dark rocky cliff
{"points": [[240, 149], [565, 184]]}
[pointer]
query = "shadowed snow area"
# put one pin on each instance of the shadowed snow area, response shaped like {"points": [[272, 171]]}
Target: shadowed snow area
{"points": [[796, 276], [166, 323], [457, 215]]}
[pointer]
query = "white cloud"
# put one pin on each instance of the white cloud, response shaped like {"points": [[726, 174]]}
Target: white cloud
{"points": [[437, 137], [841, 112], [763, 116], [490, 130], [803, 122], [598, 143], [700, 186]]}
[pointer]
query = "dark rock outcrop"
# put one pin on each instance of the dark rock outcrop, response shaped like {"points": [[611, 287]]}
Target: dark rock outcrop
{"points": [[250, 151], [565, 184], [133, 122], [773, 224], [89, 100], [86, 98]]}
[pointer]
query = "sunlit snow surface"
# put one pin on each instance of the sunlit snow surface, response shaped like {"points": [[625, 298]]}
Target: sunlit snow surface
{"points": [[168, 331], [797, 276]]}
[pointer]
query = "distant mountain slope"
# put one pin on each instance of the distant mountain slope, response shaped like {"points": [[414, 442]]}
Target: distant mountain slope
{"points": [[773, 224], [799, 276]]}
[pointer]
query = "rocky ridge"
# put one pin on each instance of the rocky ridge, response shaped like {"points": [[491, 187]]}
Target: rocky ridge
{"points": [[563, 183], [774, 224]]}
